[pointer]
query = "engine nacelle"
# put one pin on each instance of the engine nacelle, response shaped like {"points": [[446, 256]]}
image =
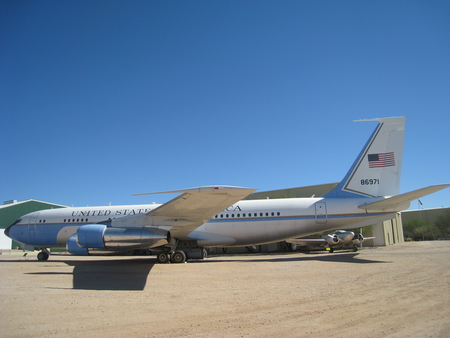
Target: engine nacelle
{"points": [[91, 236], [99, 236], [331, 239], [135, 238], [73, 247]]}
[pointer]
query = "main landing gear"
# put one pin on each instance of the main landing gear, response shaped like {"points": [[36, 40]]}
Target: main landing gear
{"points": [[181, 256], [175, 257], [43, 255]]}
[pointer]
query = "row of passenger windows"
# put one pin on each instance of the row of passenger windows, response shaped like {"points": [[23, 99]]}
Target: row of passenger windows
{"points": [[69, 220], [75, 220], [261, 214]]}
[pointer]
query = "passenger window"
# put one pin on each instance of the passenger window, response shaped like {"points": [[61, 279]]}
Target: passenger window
{"points": [[273, 214], [228, 215], [267, 214], [278, 213]]}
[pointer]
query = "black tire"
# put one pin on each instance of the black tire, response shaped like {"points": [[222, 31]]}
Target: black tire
{"points": [[163, 257], [42, 256], [178, 257]]}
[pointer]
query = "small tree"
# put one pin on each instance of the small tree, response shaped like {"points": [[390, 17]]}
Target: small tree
{"points": [[419, 229], [443, 223], [428, 231]]}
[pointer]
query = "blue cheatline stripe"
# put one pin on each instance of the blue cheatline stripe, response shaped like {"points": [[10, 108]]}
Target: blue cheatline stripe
{"points": [[44, 234]]}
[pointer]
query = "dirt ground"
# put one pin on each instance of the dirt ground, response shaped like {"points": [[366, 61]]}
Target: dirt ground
{"points": [[397, 291]]}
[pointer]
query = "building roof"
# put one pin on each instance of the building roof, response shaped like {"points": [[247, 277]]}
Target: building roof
{"points": [[10, 212], [308, 191]]}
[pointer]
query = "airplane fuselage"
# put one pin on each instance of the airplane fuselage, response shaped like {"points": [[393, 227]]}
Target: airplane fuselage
{"points": [[247, 222]]}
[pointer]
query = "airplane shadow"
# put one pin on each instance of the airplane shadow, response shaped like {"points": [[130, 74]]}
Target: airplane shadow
{"points": [[115, 274], [130, 274]]}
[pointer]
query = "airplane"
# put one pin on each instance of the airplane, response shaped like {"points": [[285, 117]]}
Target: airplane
{"points": [[338, 239], [216, 216]]}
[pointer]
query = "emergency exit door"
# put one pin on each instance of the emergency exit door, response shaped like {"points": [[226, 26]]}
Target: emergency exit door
{"points": [[321, 212]]}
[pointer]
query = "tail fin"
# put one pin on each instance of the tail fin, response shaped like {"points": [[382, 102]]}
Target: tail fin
{"points": [[376, 171]]}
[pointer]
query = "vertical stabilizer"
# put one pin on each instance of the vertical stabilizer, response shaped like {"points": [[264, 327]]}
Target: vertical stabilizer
{"points": [[376, 171]]}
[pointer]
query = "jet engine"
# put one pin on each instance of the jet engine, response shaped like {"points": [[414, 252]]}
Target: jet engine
{"points": [[100, 236]]}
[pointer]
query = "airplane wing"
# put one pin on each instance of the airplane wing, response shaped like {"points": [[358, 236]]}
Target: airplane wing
{"points": [[394, 202], [306, 242], [195, 206]]}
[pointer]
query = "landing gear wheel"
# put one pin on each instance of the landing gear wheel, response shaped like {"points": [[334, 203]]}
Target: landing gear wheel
{"points": [[355, 248], [42, 256], [178, 257], [331, 250], [163, 257]]}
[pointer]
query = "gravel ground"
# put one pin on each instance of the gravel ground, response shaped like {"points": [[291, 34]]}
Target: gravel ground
{"points": [[397, 291]]}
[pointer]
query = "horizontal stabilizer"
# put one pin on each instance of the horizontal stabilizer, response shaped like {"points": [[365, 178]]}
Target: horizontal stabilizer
{"points": [[394, 202]]}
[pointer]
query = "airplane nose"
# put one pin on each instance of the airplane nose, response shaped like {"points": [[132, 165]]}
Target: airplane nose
{"points": [[7, 230]]}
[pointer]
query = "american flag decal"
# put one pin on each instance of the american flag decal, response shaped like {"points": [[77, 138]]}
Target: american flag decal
{"points": [[381, 160]]}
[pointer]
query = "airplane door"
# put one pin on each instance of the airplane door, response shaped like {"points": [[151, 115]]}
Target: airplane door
{"points": [[32, 222], [321, 212]]}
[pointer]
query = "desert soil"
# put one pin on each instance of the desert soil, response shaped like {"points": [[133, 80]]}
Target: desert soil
{"points": [[396, 291]]}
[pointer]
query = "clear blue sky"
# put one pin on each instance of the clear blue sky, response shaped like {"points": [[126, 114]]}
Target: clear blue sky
{"points": [[103, 99]]}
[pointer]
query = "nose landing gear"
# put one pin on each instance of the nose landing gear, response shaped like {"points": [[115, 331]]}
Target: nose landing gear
{"points": [[43, 255]]}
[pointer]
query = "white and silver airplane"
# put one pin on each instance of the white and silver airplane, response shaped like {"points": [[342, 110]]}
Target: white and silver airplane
{"points": [[338, 239], [216, 216]]}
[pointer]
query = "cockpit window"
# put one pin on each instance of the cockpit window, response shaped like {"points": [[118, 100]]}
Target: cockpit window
{"points": [[18, 221]]}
